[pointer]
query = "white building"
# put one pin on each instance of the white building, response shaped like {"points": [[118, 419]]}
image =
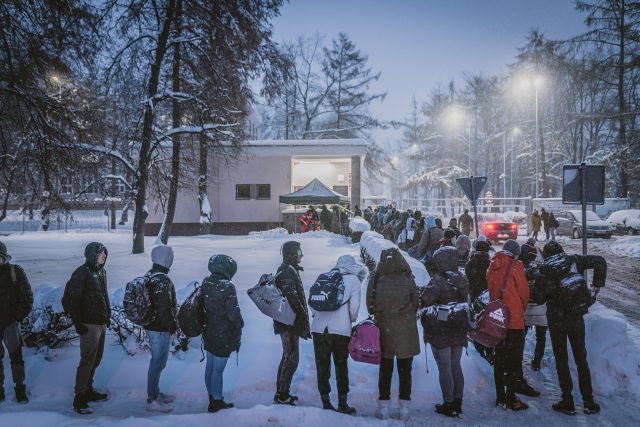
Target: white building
{"points": [[244, 195]]}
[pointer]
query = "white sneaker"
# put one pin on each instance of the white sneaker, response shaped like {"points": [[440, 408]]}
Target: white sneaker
{"points": [[166, 398], [383, 410], [404, 409], [158, 406]]}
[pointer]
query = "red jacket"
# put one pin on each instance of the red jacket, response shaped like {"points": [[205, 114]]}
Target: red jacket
{"points": [[516, 294]]}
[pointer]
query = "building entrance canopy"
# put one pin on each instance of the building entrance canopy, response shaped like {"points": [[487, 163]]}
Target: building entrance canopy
{"points": [[314, 193]]}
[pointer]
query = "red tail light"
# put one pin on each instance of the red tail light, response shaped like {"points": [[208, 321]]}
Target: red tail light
{"points": [[514, 226], [490, 226]]}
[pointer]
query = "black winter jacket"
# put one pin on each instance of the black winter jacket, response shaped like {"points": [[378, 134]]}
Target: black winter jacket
{"points": [[163, 301], [16, 300], [87, 289], [476, 271], [223, 329], [554, 269], [289, 282]]}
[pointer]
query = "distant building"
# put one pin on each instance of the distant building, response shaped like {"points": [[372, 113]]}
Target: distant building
{"points": [[244, 195]]}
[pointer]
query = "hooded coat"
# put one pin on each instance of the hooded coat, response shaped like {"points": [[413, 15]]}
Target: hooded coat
{"points": [[516, 294], [339, 322], [536, 221], [223, 321], [476, 271], [16, 299], [290, 284], [392, 298], [87, 289], [430, 239], [163, 292]]}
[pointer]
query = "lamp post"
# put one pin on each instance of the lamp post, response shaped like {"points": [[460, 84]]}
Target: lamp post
{"points": [[537, 81], [513, 133], [454, 116]]}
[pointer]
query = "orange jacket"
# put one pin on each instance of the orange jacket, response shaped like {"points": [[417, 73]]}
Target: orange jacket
{"points": [[516, 294]]}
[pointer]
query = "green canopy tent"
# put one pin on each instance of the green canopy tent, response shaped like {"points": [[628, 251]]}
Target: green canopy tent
{"points": [[314, 193]]}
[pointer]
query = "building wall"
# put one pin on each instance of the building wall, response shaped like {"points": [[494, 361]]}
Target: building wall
{"points": [[326, 170]]}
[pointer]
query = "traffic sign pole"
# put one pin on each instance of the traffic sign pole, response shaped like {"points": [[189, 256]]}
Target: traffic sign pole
{"points": [[583, 176]]}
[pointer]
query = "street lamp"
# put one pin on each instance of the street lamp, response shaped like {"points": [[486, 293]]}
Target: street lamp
{"points": [[454, 116], [537, 81], [514, 132]]}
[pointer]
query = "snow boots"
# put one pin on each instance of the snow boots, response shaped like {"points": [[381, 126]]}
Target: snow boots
{"points": [[446, 408], [404, 409], [523, 387], [80, 404], [383, 410], [93, 396], [216, 405], [457, 405], [21, 394], [284, 399], [343, 406], [565, 406], [326, 402], [591, 407]]}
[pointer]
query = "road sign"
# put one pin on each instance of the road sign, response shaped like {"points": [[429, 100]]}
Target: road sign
{"points": [[572, 184], [472, 186], [488, 198]]}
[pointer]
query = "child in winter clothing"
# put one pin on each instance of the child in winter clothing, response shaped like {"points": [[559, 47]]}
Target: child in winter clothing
{"points": [[331, 331]]}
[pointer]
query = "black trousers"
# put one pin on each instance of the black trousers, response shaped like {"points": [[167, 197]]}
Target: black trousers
{"points": [[11, 338], [404, 375], [541, 340], [508, 364], [325, 346], [288, 362], [573, 329]]}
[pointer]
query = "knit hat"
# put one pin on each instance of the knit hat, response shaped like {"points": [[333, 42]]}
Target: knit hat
{"points": [[162, 255], [3, 252], [551, 248], [512, 247]]}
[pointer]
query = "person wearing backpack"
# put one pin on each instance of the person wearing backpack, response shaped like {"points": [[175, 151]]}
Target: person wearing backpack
{"points": [[392, 299], [536, 314], [331, 331], [506, 272], [566, 320], [164, 324], [86, 301], [476, 268], [447, 286], [16, 301], [223, 325], [290, 284]]}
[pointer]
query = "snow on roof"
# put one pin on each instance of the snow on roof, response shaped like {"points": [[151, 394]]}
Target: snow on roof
{"points": [[307, 147], [305, 142]]}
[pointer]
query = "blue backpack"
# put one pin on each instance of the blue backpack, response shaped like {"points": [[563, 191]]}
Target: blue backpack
{"points": [[327, 293]]}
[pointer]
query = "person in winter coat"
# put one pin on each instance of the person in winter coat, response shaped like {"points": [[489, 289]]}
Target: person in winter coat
{"points": [[289, 282], [86, 301], [357, 211], [536, 314], [447, 286], [476, 268], [223, 325], [466, 222], [553, 225], [430, 240], [448, 238], [544, 216], [453, 225], [331, 331], [368, 215], [463, 245], [506, 271], [392, 298], [16, 301], [565, 323], [325, 218], [159, 331], [536, 223]]}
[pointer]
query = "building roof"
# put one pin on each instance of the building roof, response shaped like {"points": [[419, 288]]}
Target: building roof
{"points": [[307, 147]]}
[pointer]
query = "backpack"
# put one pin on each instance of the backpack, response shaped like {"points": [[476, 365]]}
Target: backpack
{"points": [[446, 319], [137, 300], [327, 292], [492, 322], [270, 301], [364, 345], [573, 292], [191, 317]]}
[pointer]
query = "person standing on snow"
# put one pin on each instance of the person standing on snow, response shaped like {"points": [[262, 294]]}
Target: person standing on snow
{"points": [[164, 324], [325, 218], [536, 223], [331, 332], [392, 299], [565, 323], [536, 314], [86, 301], [430, 239], [16, 301], [466, 222], [476, 268], [447, 286], [289, 282], [544, 216], [223, 325], [453, 225], [553, 225], [505, 271]]}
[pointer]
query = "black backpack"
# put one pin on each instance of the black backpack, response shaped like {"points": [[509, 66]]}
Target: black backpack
{"points": [[447, 319], [572, 291], [191, 316], [327, 293]]}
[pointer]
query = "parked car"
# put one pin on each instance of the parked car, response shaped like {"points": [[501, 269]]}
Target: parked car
{"points": [[571, 225], [626, 221], [496, 226]]}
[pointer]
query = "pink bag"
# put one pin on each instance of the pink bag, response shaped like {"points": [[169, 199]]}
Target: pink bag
{"points": [[364, 345]]}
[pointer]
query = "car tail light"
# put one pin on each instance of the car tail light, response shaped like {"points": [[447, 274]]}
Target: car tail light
{"points": [[489, 226], [514, 226]]}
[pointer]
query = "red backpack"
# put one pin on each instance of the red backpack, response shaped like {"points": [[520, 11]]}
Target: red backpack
{"points": [[492, 322], [364, 345]]}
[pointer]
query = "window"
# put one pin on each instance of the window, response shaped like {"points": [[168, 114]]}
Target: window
{"points": [[243, 191], [66, 185], [120, 187], [264, 192]]}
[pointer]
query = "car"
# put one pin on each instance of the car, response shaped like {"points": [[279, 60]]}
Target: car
{"points": [[626, 221], [570, 222], [497, 227]]}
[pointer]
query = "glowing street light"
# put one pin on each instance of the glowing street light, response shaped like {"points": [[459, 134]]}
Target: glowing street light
{"points": [[525, 82], [454, 116]]}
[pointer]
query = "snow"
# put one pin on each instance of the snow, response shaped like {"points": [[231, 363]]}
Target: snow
{"points": [[627, 246], [358, 224], [49, 258]]}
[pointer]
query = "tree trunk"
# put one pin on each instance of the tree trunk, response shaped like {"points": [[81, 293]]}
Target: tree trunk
{"points": [[141, 212], [176, 113], [623, 184], [543, 164]]}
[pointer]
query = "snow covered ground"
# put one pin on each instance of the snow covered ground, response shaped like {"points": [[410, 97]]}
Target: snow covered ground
{"points": [[49, 259]]}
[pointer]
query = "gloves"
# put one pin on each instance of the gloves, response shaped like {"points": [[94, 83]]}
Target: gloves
{"points": [[81, 328]]}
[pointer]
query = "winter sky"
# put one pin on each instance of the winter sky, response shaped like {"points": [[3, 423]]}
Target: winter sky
{"points": [[417, 44]]}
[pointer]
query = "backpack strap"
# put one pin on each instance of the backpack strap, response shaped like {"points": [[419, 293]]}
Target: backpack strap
{"points": [[12, 272], [506, 276]]}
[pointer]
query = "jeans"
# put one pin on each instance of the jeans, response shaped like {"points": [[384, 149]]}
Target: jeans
{"points": [[213, 375], [12, 339], [508, 364], [91, 349], [325, 346], [160, 342], [288, 362], [449, 372], [573, 329], [552, 230], [404, 374]]}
